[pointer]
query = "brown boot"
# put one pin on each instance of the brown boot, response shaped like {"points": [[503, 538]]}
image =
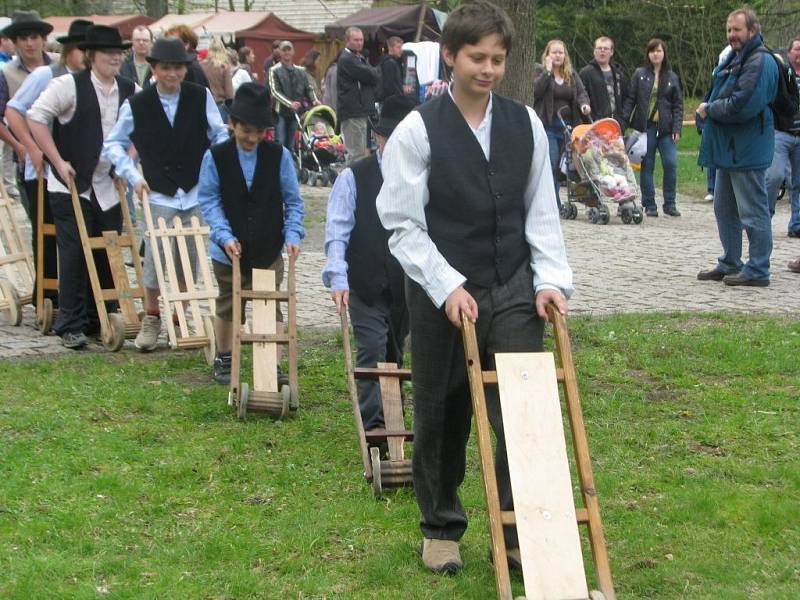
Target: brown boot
{"points": [[441, 556]]}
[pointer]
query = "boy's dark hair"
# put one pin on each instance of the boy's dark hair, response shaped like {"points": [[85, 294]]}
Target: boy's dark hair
{"points": [[475, 20]]}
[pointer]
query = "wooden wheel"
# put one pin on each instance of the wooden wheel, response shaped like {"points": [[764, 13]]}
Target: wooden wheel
{"points": [[244, 394], [286, 393], [14, 309], [114, 337], [375, 457], [294, 398], [210, 350], [44, 316], [596, 595]]}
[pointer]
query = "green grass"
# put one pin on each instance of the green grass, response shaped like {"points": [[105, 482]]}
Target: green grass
{"points": [[125, 476]]}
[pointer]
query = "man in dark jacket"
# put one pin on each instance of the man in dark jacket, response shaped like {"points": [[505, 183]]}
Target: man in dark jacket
{"points": [[136, 68], [391, 66], [290, 89], [356, 82], [739, 140], [604, 81]]}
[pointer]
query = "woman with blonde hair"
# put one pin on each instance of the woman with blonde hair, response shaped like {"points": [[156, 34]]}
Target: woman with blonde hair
{"points": [[217, 68], [557, 90]]}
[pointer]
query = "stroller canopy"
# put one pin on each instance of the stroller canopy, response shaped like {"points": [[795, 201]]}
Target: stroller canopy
{"points": [[321, 111]]}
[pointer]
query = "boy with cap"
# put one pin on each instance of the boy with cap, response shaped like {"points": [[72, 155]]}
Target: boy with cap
{"points": [[251, 201], [71, 60], [360, 272], [81, 108], [171, 123], [469, 199], [289, 87], [29, 34]]}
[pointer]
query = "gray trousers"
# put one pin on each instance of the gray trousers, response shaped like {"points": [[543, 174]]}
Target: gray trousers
{"points": [[380, 330], [354, 132], [507, 322]]}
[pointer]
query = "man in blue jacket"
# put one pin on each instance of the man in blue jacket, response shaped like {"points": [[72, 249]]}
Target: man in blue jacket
{"points": [[739, 141]]}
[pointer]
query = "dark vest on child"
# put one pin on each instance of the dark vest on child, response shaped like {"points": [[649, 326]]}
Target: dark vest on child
{"points": [[171, 155], [372, 270], [80, 140], [255, 215], [476, 211]]}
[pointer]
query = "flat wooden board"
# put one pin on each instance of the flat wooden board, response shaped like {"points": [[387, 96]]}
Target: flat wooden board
{"points": [[392, 411], [552, 562], [265, 354]]}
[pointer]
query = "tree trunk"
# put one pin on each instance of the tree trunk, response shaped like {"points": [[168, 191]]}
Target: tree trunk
{"points": [[518, 82], [155, 8]]}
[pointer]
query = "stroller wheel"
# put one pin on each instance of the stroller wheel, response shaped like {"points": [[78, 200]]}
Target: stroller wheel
{"points": [[322, 178], [573, 211], [604, 218], [303, 175], [638, 217], [592, 214], [332, 174], [564, 211], [626, 214]]}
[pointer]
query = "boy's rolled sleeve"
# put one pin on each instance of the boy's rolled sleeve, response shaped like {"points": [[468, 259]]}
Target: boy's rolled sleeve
{"points": [[293, 230], [115, 146]]}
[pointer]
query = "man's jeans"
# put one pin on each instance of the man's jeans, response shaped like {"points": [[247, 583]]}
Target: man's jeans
{"points": [[284, 132], [787, 157], [669, 161], [740, 202]]}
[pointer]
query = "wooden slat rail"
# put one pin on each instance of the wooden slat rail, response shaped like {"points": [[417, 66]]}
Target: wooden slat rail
{"points": [[367, 373], [490, 377]]}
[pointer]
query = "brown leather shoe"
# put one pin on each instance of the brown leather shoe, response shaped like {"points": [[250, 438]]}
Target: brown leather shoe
{"points": [[441, 556], [739, 279], [794, 265]]}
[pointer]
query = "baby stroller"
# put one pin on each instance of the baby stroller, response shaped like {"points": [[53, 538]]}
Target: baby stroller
{"points": [[598, 171], [321, 150]]}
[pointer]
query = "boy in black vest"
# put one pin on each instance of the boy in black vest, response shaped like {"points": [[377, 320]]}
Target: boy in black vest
{"points": [[171, 124], [251, 201], [82, 108], [360, 271], [468, 195]]}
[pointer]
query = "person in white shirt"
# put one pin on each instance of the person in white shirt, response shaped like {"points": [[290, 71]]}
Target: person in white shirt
{"points": [[82, 108], [468, 195]]}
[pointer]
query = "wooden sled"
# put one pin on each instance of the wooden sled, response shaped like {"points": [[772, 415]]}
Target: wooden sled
{"points": [[266, 396], [16, 265], [545, 515], [197, 332], [114, 327], [395, 470]]}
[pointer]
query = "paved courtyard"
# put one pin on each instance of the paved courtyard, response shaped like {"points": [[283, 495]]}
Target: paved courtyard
{"points": [[617, 268]]}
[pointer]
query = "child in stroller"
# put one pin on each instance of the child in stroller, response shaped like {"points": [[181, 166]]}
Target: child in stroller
{"points": [[598, 171], [321, 149]]}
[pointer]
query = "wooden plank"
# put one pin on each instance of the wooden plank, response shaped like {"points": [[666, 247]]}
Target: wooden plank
{"points": [[367, 373], [122, 284], [265, 354], [484, 438], [552, 563], [392, 411]]}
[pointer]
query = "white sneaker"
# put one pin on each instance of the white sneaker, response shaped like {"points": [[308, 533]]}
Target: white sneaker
{"points": [[709, 198], [147, 339]]}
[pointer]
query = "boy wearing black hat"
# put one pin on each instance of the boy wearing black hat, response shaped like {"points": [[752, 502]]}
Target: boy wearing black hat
{"points": [[81, 108], [171, 123], [360, 272], [468, 197], [29, 34], [251, 201], [71, 60]]}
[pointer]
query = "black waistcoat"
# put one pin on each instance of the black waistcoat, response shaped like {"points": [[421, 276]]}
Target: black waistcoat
{"points": [[371, 267], [255, 215], [476, 211], [171, 154], [80, 140]]}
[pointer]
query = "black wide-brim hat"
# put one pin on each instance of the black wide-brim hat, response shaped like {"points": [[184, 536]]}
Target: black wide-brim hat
{"points": [[26, 21], [76, 33], [251, 105], [169, 50], [394, 110], [103, 37]]}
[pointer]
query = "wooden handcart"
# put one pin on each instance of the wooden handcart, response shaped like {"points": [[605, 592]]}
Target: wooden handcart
{"points": [[545, 515], [266, 396], [16, 265], [114, 327], [394, 470], [196, 331], [45, 313]]}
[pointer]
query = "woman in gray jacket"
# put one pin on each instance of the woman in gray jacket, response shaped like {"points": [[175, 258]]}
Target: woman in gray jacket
{"points": [[655, 106]]}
